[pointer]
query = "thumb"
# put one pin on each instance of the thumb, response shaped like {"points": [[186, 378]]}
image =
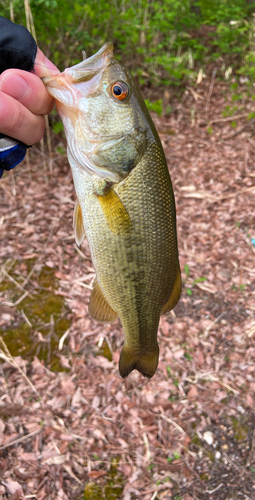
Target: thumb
{"points": [[43, 66]]}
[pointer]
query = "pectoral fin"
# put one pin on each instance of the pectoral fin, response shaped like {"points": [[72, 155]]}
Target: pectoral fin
{"points": [[175, 295], [99, 308], [79, 231], [115, 213]]}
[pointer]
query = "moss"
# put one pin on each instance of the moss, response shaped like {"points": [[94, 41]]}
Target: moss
{"points": [[92, 492], [112, 488], [105, 351], [240, 429], [196, 440], [45, 311]]}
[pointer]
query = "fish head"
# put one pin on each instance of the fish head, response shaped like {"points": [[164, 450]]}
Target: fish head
{"points": [[106, 121]]}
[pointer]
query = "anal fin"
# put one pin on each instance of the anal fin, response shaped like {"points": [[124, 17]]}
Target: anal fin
{"points": [[99, 308], [79, 231], [175, 295], [115, 213]]}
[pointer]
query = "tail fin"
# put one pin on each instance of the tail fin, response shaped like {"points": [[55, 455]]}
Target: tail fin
{"points": [[145, 363]]}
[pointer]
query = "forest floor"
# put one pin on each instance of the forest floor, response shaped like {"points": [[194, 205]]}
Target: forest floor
{"points": [[70, 426]]}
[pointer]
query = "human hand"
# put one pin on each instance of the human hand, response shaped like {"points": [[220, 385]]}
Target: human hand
{"points": [[24, 100]]}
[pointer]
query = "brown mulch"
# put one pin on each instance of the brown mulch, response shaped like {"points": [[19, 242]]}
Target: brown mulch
{"points": [[188, 433]]}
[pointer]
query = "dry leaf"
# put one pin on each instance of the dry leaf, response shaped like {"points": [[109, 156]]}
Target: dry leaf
{"points": [[193, 392], [97, 473], [14, 490]]}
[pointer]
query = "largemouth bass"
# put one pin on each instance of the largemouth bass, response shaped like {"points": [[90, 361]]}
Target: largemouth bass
{"points": [[125, 202]]}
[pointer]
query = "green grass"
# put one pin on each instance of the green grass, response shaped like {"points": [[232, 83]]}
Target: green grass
{"points": [[162, 41]]}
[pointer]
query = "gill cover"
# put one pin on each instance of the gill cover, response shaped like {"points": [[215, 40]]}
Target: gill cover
{"points": [[68, 89]]}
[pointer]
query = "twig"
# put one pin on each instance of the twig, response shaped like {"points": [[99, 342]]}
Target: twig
{"points": [[172, 422], [191, 453], [228, 118], [12, 280], [62, 339], [203, 195], [251, 454], [209, 327], [47, 128], [19, 440], [71, 473], [224, 120], [237, 132], [236, 464], [228, 387], [6, 356], [212, 378], [147, 446], [251, 331], [11, 304], [210, 93], [80, 252], [215, 489], [84, 285], [26, 319], [194, 472], [6, 268], [154, 495], [29, 275], [7, 191]]}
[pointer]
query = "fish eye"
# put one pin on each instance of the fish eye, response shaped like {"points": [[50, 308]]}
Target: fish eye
{"points": [[119, 90]]}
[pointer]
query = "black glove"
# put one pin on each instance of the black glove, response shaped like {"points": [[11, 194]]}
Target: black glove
{"points": [[17, 50]]}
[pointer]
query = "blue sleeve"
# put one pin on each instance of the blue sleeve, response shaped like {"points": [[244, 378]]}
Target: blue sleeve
{"points": [[12, 152]]}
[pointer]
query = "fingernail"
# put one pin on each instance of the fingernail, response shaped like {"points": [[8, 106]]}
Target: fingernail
{"points": [[51, 66], [43, 66], [13, 85]]}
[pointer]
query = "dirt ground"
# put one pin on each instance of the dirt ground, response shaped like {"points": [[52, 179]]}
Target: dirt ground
{"points": [[70, 427]]}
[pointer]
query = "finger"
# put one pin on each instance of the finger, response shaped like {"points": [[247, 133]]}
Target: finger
{"points": [[28, 89], [43, 66], [18, 122]]}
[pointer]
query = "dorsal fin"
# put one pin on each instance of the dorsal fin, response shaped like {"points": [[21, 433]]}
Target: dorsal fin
{"points": [[79, 231], [175, 295], [99, 308]]}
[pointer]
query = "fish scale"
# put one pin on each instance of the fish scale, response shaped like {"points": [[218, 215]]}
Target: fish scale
{"points": [[136, 273], [125, 203]]}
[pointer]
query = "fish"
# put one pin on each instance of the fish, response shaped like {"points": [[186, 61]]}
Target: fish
{"points": [[125, 202]]}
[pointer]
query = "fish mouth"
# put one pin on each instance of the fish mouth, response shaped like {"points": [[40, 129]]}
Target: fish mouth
{"points": [[89, 67], [86, 75], [86, 69]]}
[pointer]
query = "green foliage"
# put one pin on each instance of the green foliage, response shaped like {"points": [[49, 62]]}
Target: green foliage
{"points": [[251, 116], [186, 270], [248, 67], [155, 106], [188, 289], [161, 41], [229, 111], [57, 127], [175, 456], [188, 356]]}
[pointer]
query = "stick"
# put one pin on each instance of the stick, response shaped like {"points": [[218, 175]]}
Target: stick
{"points": [[210, 93], [22, 438], [6, 356]]}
